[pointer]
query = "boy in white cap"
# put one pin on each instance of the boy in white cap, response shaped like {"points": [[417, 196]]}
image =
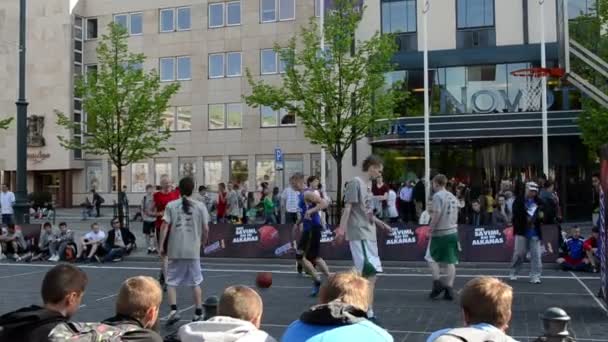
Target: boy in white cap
{"points": [[527, 220]]}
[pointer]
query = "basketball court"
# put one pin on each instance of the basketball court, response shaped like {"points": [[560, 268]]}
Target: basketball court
{"points": [[401, 298]]}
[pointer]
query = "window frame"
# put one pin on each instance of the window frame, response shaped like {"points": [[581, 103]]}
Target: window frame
{"points": [[176, 119], [276, 64], [86, 29], [160, 20], [223, 16], [277, 117], [177, 9], [127, 21], [279, 11], [223, 72], [174, 69], [276, 13], [240, 74], [224, 107], [226, 23], [459, 28], [131, 14], [415, 16], [177, 77], [226, 111]]}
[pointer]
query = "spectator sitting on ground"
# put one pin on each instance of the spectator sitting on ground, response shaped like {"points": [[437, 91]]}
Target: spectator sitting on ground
{"points": [[61, 242], [239, 318], [62, 290], [486, 308], [120, 242], [476, 218], [591, 249], [574, 258], [340, 316], [43, 251], [137, 309], [90, 244], [13, 242]]}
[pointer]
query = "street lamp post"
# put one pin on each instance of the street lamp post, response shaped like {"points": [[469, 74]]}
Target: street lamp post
{"points": [[21, 203]]}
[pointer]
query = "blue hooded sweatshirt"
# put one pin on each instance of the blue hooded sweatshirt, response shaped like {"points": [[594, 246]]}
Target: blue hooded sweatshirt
{"points": [[334, 321]]}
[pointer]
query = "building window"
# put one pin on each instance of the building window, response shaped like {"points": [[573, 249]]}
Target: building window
{"points": [[132, 22], [264, 171], [239, 171], [184, 68], [187, 168], [212, 173], [178, 118], [581, 8], [271, 62], [184, 19], [139, 177], [224, 14], [123, 177], [172, 68], [475, 13], [225, 116], [276, 118], [170, 22], [91, 28], [273, 10], [398, 16], [162, 168], [317, 8], [225, 65]]}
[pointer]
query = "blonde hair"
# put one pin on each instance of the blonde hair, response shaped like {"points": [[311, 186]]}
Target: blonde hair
{"points": [[241, 302], [137, 295], [348, 287], [487, 300], [440, 180]]}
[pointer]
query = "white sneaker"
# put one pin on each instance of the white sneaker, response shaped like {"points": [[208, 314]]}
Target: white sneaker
{"points": [[173, 317], [54, 258], [512, 276], [2, 256], [535, 280]]}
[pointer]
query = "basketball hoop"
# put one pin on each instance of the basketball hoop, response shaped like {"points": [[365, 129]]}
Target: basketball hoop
{"points": [[534, 79]]}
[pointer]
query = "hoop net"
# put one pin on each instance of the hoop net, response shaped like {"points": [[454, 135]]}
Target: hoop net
{"points": [[533, 92]]}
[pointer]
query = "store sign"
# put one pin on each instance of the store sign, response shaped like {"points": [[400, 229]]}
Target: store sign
{"points": [[38, 157], [488, 101]]}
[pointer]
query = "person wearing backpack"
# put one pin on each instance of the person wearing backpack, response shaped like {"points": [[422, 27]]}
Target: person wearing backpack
{"points": [[486, 307], [62, 291]]}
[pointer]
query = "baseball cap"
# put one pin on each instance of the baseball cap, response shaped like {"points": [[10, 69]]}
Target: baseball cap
{"points": [[532, 186]]}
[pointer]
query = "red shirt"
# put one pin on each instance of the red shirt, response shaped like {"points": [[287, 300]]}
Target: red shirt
{"points": [[221, 204], [590, 243], [161, 200]]}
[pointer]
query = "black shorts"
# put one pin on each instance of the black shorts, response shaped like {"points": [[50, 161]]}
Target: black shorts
{"points": [[291, 218], [149, 227], [309, 246]]}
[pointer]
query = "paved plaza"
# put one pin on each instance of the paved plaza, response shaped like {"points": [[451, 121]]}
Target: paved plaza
{"points": [[401, 300]]}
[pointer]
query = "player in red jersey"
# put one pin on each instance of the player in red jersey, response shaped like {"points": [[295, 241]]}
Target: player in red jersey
{"points": [[161, 199]]}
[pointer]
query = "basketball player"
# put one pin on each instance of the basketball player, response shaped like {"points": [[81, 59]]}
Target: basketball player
{"points": [[161, 199], [307, 254], [359, 223], [189, 231]]}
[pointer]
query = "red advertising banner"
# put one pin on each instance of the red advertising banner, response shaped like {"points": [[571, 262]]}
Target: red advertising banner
{"points": [[405, 243]]}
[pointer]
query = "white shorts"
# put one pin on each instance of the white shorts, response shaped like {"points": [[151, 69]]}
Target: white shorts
{"points": [[371, 251], [184, 272]]}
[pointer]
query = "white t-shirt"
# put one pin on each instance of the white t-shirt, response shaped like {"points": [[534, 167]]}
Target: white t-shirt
{"points": [[92, 236], [7, 200], [186, 232], [391, 203]]}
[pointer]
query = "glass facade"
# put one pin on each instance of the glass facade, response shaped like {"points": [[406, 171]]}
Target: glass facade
{"points": [[398, 16], [475, 13], [479, 89]]}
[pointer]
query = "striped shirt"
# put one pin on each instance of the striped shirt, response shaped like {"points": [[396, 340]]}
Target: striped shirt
{"points": [[291, 200]]}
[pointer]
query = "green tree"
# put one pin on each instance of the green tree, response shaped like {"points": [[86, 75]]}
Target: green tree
{"points": [[337, 94], [4, 123], [587, 30], [124, 106]]}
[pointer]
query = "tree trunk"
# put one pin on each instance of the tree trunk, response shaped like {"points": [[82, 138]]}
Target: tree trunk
{"points": [[339, 203], [119, 201]]}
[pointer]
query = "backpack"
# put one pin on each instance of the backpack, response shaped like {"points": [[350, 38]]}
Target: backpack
{"points": [[90, 332], [471, 334]]}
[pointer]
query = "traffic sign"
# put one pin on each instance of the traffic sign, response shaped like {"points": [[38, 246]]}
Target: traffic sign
{"points": [[278, 159]]}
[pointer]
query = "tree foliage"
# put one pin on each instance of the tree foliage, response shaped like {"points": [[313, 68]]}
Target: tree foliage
{"points": [[124, 106], [4, 123], [587, 30], [337, 94]]}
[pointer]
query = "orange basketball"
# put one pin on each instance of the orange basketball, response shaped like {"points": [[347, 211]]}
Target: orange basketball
{"points": [[263, 280]]}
